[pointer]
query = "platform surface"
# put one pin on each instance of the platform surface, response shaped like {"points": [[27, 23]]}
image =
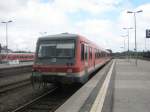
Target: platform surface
{"points": [[132, 86], [15, 65]]}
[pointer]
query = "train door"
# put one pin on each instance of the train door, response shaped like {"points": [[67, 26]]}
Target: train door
{"points": [[95, 58], [84, 56], [85, 60], [90, 57]]}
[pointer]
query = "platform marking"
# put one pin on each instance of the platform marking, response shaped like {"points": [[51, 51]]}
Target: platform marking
{"points": [[98, 103]]}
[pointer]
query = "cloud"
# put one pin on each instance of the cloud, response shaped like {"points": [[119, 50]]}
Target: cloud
{"points": [[99, 31], [90, 6], [30, 17], [31, 20], [9, 6], [142, 20]]}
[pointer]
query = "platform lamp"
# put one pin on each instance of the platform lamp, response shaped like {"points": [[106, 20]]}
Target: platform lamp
{"points": [[6, 23], [128, 39], [135, 12], [124, 41]]}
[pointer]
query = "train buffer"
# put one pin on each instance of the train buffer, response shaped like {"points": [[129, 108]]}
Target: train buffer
{"points": [[132, 86]]}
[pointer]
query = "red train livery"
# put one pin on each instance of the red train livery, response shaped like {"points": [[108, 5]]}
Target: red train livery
{"points": [[67, 58], [21, 57]]}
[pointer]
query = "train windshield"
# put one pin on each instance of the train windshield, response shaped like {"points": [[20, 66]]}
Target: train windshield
{"points": [[57, 49]]}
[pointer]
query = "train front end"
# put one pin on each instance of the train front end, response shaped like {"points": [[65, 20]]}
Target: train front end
{"points": [[55, 60]]}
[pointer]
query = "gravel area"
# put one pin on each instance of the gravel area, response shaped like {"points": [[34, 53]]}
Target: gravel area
{"points": [[10, 101]]}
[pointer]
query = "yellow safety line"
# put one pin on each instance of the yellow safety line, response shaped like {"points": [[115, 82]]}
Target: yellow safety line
{"points": [[98, 103]]}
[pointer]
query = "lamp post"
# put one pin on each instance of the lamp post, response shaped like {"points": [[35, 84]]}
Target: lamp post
{"points": [[128, 39], [6, 23], [135, 12], [124, 42], [145, 44]]}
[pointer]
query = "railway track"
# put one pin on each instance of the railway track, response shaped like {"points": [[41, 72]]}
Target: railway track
{"points": [[13, 86], [48, 102], [14, 70]]}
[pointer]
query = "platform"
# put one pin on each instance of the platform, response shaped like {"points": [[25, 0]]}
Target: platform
{"points": [[94, 96], [2, 66], [132, 86]]}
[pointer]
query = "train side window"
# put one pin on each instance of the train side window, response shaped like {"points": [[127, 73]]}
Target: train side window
{"points": [[86, 52], [95, 53], [90, 54], [82, 51], [98, 53]]}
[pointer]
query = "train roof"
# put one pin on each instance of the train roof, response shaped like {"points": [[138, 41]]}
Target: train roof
{"points": [[69, 35], [58, 36]]}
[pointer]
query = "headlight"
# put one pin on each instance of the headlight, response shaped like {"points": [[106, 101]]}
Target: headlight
{"points": [[69, 71]]}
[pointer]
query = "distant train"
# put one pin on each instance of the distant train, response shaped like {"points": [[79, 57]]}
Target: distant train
{"points": [[67, 58], [21, 57]]}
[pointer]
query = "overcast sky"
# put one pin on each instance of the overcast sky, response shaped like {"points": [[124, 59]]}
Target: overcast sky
{"points": [[101, 21]]}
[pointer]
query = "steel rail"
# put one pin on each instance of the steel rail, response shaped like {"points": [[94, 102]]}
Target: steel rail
{"points": [[23, 107], [11, 86]]}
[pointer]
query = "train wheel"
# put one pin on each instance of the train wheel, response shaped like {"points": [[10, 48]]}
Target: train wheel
{"points": [[45, 84]]}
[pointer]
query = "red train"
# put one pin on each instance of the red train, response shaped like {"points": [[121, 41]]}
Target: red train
{"points": [[21, 57], [67, 58]]}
